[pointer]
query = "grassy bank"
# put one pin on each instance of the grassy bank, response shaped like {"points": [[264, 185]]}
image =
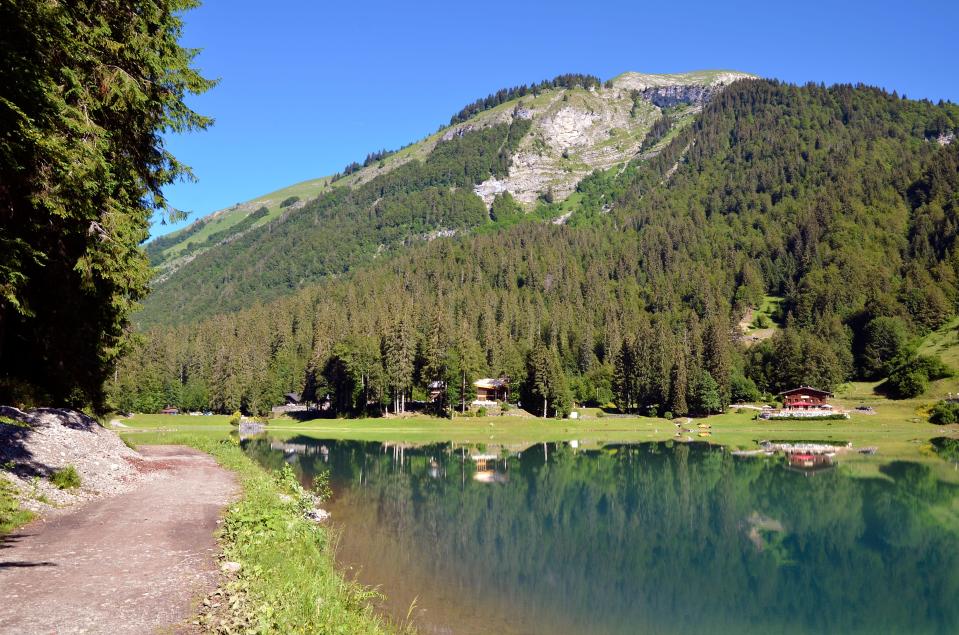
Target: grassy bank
{"points": [[286, 582], [11, 516]]}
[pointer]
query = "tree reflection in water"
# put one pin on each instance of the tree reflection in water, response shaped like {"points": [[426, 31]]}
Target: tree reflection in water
{"points": [[650, 538]]}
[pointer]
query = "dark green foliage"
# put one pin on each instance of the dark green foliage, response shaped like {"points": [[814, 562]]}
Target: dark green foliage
{"points": [[802, 192], [944, 413], [342, 228], [911, 378], [87, 91], [155, 248], [707, 395], [66, 478], [657, 131], [743, 389], [545, 390], [792, 358], [505, 209], [290, 200], [886, 339], [569, 80]]}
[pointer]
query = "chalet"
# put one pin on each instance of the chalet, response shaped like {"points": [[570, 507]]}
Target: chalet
{"points": [[805, 398], [292, 398], [489, 391], [170, 410], [436, 390]]}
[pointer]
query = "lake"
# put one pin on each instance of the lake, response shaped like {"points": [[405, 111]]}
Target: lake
{"points": [[644, 538]]}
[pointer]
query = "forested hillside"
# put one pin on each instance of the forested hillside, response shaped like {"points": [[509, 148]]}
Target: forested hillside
{"points": [[842, 200], [532, 142]]}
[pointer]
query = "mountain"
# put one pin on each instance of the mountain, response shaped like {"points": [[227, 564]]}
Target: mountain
{"points": [[534, 143], [841, 202]]}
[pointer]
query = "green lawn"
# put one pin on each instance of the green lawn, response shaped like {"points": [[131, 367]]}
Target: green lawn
{"points": [[896, 430]]}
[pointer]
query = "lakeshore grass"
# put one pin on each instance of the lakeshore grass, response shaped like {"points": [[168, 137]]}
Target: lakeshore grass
{"points": [[287, 582], [11, 516]]}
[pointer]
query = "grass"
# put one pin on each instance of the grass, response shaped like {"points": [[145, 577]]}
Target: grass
{"points": [[287, 582], [943, 343], [11, 516], [895, 429], [66, 478]]}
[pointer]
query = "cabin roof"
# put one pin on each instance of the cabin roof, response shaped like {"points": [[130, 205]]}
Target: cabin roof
{"points": [[488, 382], [807, 390], [295, 396]]}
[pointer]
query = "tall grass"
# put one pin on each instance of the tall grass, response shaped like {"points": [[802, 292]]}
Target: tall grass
{"points": [[286, 582]]}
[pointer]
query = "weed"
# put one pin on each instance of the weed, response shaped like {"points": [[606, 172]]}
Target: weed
{"points": [[66, 478]]}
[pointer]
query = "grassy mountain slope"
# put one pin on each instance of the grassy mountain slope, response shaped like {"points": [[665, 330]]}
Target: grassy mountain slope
{"points": [[842, 201], [217, 263]]}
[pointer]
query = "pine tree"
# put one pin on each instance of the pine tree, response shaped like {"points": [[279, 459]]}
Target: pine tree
{"points": [[679, 384], [398, 356], [88, 91]]}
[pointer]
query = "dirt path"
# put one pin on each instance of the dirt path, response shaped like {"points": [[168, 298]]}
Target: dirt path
{"points": [[133, 563]]}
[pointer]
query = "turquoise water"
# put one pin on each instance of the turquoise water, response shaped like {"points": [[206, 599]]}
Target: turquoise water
{"points": [[648, 538]]}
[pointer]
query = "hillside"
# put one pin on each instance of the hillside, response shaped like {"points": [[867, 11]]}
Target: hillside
{"points": [[841, 201], [260, 249]]}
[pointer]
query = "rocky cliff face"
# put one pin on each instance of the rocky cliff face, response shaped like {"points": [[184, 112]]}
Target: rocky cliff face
{"points": [[577, 131]]}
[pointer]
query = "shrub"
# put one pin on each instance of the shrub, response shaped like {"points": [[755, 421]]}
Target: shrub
{"points": [[481, 412], [944, 413], [235, 418], [742, 389], [66, 478], [911, 378], [505, 407], [290, 201], [600, 414], [668, 415]]}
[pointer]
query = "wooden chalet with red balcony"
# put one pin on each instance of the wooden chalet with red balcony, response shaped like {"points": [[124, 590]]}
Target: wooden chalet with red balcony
{"points": [[806, 398]]}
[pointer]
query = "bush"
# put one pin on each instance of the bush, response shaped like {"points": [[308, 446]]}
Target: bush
{"points": [[944, 413], [600, 414], [505, 407], [66, 478], [290, 201], [235, 418], [668, 415], [742, 389], [481, 412], [912, 377]]}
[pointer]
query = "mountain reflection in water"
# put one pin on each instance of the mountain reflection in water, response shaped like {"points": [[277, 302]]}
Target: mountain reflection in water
{"points": [[648, 538]]}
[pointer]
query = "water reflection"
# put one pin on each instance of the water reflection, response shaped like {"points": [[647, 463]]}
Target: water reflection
{"points": [[651, 538]]}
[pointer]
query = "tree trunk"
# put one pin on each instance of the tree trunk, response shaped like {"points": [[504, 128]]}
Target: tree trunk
{"points": [[463, 396], [545, 403]]}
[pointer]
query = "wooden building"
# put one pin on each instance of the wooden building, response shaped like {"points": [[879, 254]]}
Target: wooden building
{"points": [[806, 398], [490, 391]]}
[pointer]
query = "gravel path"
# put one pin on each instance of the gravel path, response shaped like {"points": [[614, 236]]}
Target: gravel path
{"points": [[132, 563]]}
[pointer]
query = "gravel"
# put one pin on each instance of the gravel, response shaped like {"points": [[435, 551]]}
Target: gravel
{"points": [[48, 439]]}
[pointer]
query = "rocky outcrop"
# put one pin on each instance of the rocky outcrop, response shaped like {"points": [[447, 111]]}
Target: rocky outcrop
{"points": [[576, 132], [669, 96], [46, 440]]}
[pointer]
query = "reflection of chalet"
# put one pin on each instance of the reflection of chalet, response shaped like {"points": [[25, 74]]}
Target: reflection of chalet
{"points": [[489, 391], [809, 463]]}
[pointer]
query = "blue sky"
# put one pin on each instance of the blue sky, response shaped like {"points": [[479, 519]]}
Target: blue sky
{"points": [[306, 87]]}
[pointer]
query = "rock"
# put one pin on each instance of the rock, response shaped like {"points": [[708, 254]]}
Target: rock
{"points": [[53, 439], [231, 567], [318, 515]]}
